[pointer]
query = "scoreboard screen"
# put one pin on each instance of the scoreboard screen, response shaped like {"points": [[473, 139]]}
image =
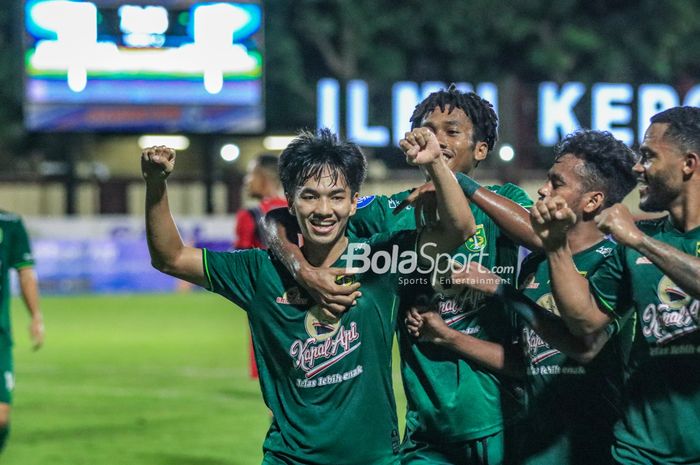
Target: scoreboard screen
{"points": [[135, 66]]}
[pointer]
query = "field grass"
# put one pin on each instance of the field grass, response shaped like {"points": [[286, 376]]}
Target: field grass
{"points": [[138, 380]]}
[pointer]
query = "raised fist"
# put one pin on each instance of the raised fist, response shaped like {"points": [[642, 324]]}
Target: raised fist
{"points": [[157, 162]]}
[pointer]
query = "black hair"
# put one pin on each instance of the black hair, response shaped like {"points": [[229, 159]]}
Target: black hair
{"points": [[607, 163], [309, 154], [683, 126], [269, 163], [479, 111]]}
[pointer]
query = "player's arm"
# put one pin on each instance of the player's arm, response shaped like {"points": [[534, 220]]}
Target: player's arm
{"points": [[511, 217], [551, 218], [430, 327], [456, 222], [280, 229], [552, 328], [29, 288], [682, 268], [168, 253], [547, 325]]}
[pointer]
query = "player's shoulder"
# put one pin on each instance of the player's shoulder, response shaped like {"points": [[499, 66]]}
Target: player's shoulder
{"points": [[377, 200], [651, 226]]}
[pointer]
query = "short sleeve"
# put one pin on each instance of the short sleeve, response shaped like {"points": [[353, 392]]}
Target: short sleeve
{"points": [[20, 251], [516, 194], [234, 275], [609, 284]]}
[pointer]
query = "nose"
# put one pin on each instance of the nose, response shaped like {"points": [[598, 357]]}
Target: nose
{"points": [[543, 191], [441, 138], [638, 167], [323, 208]]}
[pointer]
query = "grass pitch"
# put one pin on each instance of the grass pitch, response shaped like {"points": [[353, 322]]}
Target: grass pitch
{"points": [[138, 380]]}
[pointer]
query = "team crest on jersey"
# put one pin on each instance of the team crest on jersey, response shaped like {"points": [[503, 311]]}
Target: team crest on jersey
{"points": [[292, 296], [547, 302], [697, 249], [365, 200], [676, 314], [477, 241]]}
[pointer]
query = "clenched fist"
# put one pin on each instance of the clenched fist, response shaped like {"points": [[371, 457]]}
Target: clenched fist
{"points": [[157, 162]]}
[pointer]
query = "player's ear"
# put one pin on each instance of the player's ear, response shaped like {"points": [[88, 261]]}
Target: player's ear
{"points": [[594, 202], [355, 198], [290, 203], [481, 149], [691, 163]]}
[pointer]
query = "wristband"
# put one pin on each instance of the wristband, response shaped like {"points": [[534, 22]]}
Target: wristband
{"points": [[468, 185]]}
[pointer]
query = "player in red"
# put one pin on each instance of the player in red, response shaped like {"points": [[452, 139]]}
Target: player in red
{"points": [[262, 182]]}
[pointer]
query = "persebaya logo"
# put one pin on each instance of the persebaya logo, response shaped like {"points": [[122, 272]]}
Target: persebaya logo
{"points": [[547, 302], [672, 295], [477, 241], [697, 249]]}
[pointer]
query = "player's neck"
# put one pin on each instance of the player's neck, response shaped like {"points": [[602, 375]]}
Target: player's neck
{"points": [[324, 255], [583, 235], [685, 211]]}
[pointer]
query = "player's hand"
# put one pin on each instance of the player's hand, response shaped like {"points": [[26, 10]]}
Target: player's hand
{"points": [[420, 146], [551, 218], [36, 332], [475, 276], [619, 223], [326, 288], [414, 196], [157, 162], [424, 201], [427, 326]]}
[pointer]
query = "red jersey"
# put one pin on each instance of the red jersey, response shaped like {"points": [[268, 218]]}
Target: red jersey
{"points": [[246, 229]]}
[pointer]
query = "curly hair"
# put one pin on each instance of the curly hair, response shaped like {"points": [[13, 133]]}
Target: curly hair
{"points": [[309, 154], [683, 126], [479, 111], [607, 163]]}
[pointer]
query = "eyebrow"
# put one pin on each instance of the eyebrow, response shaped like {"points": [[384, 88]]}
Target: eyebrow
{"points": [[555, 176], [311, 190]]}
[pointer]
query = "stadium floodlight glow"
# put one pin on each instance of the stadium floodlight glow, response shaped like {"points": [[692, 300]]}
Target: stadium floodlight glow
{"points": [[230, 152], [506, 153], [277, 142], [174, 142]]}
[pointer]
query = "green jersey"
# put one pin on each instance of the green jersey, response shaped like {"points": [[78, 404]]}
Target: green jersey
{"points": [[327, 383], [14, 253], [450, 398], [571, 407], [662, 413]]}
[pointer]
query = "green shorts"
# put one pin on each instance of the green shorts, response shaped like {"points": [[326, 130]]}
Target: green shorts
{"points": [[7, 374], [483, 451]]}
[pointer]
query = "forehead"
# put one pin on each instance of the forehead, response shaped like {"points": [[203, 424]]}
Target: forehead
{"points": [[568, 166], [450, 115], [326, 181], [655, 137]]}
